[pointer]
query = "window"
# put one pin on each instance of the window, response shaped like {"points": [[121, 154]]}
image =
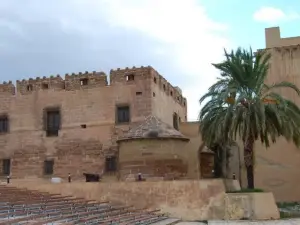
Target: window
{"points": [[48, 167], [111, 164], [123, 114], [138, 93], [175, 121], [84, 81], [154, 79], [171, 93], [52, 122], [6, 166], [45, 86], [164, 87], [153, 94], [130, 77], [3, 124], [29, 87]]}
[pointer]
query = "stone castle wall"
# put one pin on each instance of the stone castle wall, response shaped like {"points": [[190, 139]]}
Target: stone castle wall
{"points": [[277, 168], [88, 130]]}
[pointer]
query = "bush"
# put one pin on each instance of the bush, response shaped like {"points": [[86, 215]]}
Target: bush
{"points": [[246, 190]]}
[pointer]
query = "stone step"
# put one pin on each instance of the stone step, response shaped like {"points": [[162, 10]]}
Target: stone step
{"points": [[169, 221], [191, 223]]}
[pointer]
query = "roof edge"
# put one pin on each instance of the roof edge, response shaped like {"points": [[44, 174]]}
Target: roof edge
{"points": [[153, 138]]}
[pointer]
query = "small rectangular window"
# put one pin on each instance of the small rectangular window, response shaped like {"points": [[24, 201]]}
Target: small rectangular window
{"points": [[123, 114], [130, 77], [111, 164], [6, 166], [29, 87], [4, 124], [52, 122], [45, 86], [48, 167], [175, 121], [84, 81]]}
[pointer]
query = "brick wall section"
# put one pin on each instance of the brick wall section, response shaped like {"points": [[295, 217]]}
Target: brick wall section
{"points": [[167, 100], [154, 158], [75, 150]]}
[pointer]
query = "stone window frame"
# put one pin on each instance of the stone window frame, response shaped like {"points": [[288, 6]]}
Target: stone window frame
{"points": [[4, 123], [130, 77], [115, 162], [84, 81], [3, 169], [29, 87], [46, 110], [46, 170], [45, 86], [116, 113], [175, 121]]}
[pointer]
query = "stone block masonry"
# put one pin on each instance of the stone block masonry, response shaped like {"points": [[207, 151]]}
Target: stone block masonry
{"points": [[52, 126]]}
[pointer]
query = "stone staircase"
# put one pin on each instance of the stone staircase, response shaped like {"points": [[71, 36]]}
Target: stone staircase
{"points": [[22, 206]]}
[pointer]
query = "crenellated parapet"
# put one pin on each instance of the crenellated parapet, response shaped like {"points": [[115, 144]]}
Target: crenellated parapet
{"points": [[168, 89], [57, 83], [145, 77], [132, 75], [44, 83], [85, 80], [129, 75], [7, 88]]}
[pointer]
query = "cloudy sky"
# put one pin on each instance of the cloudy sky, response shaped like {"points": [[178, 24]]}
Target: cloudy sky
{"points": [[179, 38]]}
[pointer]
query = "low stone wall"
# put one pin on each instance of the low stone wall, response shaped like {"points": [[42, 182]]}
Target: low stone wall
{"points": [[189, 200], [254, 206]]}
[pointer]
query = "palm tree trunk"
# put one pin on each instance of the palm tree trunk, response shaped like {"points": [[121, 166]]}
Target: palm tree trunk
{"points": [[224, 162], [249, 161]]}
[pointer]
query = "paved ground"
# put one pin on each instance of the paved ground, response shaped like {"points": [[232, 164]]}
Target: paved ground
{"points": [[273, 222]]}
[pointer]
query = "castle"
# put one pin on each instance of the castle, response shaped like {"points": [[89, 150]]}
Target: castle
{"points": [[56, 126], [137, 123]]}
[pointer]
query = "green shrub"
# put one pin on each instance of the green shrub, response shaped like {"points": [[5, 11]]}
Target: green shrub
{"points": [[246, 190]]}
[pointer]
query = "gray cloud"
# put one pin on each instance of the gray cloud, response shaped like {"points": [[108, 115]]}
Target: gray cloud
{"points": [[42, 38], [37, 45]]}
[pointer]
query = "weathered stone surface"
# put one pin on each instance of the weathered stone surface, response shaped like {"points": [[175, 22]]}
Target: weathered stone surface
{"points": [[250, 206], [189, 200], [154, 158], [88, 130]]}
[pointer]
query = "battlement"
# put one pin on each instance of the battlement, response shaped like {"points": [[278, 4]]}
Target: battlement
{"points": [[45, 83], [121, 76], [7, 88], [274, 39], [87, 80], [168, 89], [130, 75]]}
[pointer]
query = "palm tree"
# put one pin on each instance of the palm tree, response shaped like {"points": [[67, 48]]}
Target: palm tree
{"points": [[241, 106]]}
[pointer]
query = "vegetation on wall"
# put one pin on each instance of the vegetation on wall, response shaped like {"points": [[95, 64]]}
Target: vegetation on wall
{"points": [[241, 106]]}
